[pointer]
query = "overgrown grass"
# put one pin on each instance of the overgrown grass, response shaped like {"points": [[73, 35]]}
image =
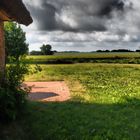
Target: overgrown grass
{"points": [[70, 58], [105, 105]]}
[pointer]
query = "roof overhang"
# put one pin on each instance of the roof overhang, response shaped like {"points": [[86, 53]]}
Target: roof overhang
{"points": [[14, 10], [4, 16]]}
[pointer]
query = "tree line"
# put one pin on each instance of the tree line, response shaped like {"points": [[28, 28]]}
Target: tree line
{"points": [[118, 50], [44, 50]]}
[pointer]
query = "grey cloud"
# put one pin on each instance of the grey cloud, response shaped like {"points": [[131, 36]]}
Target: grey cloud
{"points": [[44, 16], [73, 15]]}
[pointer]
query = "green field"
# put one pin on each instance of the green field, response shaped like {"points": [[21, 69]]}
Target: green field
{"points": [[70, 58], [105, 105]]}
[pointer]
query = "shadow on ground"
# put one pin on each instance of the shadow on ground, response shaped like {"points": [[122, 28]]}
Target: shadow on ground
{"points": [[77, 121], [41, 95]]}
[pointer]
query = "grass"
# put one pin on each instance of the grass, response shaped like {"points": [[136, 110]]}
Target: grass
{"points": [[105, 105], [70, 58]]}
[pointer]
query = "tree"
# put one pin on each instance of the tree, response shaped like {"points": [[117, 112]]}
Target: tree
{"points": [[46, 49], [15, 40], [137, 50]]}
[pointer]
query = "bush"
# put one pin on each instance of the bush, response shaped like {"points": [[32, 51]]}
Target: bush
{"points": [[15, 72], [12, 102], [12, 94], [35, 53]]}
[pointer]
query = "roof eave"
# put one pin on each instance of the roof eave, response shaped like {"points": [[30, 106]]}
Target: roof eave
{"points": [[15, 10]]}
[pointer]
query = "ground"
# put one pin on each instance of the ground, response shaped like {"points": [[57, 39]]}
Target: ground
{"points": [[48, 91]]}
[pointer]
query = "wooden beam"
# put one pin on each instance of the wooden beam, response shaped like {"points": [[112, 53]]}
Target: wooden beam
{"points": [[2, 53], [4, 16]]}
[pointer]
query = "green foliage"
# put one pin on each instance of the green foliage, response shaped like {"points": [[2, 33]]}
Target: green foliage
{"points": [[15, 40], [16, 72], [35, 53], [12, 94], [12, 103], [46, 50]]}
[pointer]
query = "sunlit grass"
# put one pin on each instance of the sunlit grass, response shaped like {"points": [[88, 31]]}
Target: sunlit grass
{"points": [[86, 55], [105, 104], [65, 58], [104, 83]]}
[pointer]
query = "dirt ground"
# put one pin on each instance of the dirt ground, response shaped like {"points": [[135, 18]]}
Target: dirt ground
{"points": [[48, 91]]}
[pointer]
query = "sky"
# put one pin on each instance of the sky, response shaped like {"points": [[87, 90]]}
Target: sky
{"points": [[84, 25]]}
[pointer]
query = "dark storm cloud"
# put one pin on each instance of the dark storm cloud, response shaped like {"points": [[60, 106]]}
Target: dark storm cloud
{"points": [[44, 16], [73, 15]]}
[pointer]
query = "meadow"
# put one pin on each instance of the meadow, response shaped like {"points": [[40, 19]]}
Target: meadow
{"points": [[105, 105], [71, 58]]}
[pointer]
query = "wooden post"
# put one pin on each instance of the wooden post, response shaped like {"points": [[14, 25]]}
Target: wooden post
{"points": [[2, 53]]}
